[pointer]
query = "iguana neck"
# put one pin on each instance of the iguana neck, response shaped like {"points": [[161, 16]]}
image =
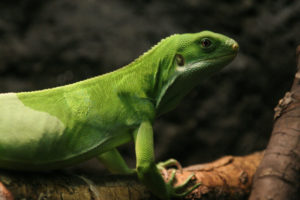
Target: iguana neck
{"points": [[148, 73], [143, 78]]}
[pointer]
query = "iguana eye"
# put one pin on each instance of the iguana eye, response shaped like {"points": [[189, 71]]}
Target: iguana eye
{"points": [[179, 60], [205, 42]]}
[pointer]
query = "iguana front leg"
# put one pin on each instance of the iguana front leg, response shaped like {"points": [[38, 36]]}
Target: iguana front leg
{"points": [[146, 168]]}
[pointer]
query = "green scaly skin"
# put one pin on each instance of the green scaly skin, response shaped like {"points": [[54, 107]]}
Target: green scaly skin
{"points": [[58, 127]]}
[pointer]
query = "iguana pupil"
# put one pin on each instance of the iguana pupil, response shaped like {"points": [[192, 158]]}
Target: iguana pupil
{"points": [[205, 42]]}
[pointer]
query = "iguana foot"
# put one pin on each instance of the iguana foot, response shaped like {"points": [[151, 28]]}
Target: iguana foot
{"points": [[176, 190], [162, 166]]}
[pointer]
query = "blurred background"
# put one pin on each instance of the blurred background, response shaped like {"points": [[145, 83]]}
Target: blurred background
{"points": [[52, 43]]}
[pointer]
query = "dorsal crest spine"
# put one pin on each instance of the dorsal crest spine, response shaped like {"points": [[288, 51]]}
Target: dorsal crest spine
{"points": [[152, 49]]}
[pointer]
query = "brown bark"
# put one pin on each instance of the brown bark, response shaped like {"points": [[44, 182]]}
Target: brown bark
{"points": [[61, 185], [278, 176], [227, 178]]}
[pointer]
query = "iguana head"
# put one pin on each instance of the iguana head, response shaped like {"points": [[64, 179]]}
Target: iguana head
{"points": [[193, 58]]}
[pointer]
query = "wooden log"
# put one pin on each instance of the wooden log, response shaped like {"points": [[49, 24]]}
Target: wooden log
{"points": [[278, 176], [227, 178]]}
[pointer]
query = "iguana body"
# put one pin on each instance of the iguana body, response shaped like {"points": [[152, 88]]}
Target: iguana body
{"points": [[58, 127]]}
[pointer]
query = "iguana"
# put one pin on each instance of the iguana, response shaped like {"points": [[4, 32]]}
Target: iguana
{"points": [[61, 126]]}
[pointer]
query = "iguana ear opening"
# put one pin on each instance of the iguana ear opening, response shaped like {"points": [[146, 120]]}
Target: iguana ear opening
{"points": [[179, 60]]}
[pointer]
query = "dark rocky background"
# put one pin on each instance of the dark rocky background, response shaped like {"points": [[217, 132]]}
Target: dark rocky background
{"points": [[50, 43]]}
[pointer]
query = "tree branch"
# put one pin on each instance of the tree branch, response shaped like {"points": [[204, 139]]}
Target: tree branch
{"points": [[227, 177], [278, 176]]}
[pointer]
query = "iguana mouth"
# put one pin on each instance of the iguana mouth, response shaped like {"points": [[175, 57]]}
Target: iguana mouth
{"points": [[213, 59], [202, 62]]}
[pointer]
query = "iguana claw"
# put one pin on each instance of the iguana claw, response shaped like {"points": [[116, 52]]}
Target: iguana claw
{"points": [[182, 186], [168, 163]]}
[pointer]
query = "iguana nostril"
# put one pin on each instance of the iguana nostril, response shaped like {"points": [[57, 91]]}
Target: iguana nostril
{"points": [[235, 46]]}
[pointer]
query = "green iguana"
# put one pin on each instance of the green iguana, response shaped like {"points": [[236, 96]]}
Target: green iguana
{"points": [[58, 127]]}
